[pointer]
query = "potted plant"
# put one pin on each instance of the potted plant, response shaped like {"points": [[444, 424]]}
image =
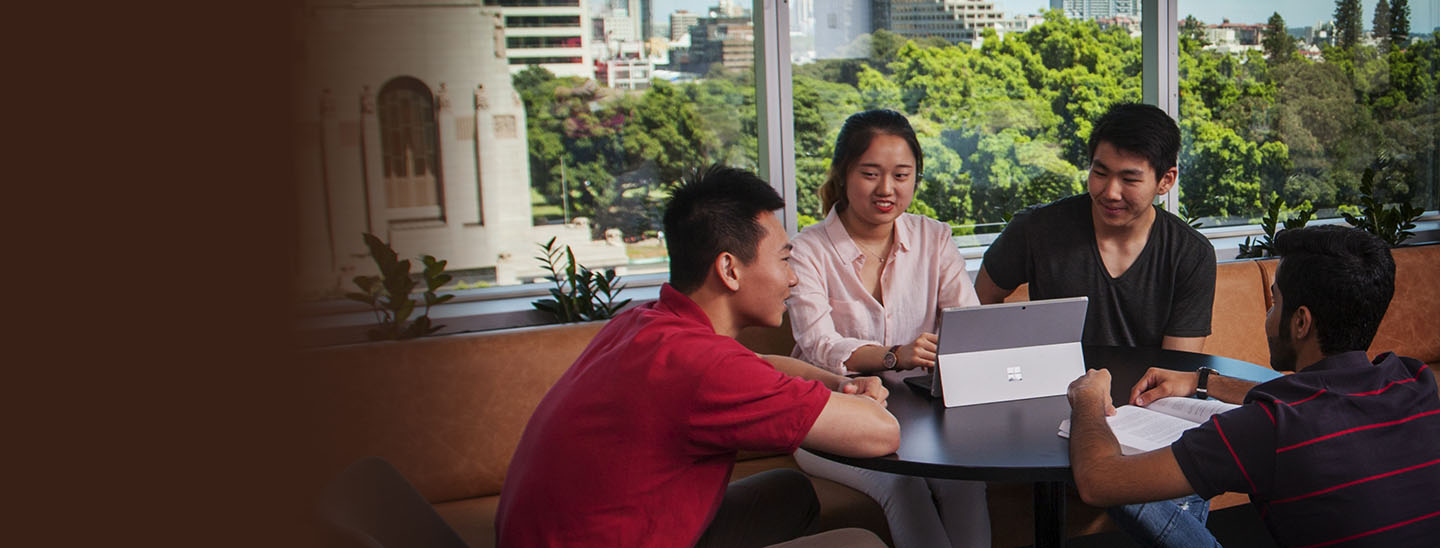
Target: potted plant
{"points": [[389, 294], [580, 294]]}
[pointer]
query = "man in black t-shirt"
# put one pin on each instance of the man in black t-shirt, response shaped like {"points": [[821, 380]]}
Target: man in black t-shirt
{"points": [[1346, 451], [1149, 276]]}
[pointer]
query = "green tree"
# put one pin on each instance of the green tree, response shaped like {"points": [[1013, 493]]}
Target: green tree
{"points": [[1380, 24], [1399, 22], [1192, 34], [1279, 46], [1347, 23]]}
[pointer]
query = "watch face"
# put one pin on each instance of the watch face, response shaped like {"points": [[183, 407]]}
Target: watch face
{"points": [[889, 360]]}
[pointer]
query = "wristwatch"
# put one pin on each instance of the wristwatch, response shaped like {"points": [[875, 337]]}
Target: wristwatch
{"points": [[1202, 390], [890, 360]]}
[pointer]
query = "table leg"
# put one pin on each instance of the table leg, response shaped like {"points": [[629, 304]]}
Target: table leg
{"points": [[1049, 514]]}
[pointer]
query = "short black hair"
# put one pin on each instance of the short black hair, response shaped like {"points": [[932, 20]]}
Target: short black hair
{"points": [[714, 212], [1345, 276], [1141, 129]]}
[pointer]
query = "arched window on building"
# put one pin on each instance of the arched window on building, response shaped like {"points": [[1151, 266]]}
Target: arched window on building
{"points": [[409, 145]]}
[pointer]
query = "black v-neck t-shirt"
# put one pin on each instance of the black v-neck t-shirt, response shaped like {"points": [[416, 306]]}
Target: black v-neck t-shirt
{"points": [[1168, 290]]}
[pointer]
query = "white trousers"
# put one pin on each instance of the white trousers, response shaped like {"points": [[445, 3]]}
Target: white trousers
{"points": [[922, 512]]}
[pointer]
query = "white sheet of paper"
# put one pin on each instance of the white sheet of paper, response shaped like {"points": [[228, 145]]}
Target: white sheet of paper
{"points": [[1155, 426]]}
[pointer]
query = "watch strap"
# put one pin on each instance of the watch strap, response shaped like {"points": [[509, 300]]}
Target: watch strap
{"points": [[891, 358], [1202, 384]]}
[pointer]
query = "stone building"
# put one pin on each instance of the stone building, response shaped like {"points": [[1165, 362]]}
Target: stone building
{"points": [[408, 127]]}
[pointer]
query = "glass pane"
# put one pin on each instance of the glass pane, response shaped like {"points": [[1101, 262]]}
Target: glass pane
{"points": [[1002, 98], [1275, 106], [604, 148]]}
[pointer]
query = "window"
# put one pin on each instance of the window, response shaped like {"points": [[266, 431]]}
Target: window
{"points": [[1003, 110], [1003, 100], [1274, 107], [532, 42], [542, 21], [408, 144]]}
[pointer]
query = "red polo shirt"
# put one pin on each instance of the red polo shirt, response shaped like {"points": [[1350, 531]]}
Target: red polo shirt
{"points": [[634, 445]]}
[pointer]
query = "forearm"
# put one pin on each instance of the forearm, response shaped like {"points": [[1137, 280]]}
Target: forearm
{"points": [[1105, 477], [1188, 344], [867, 359], [796, 368], [1091, 441], [1229, 389]]}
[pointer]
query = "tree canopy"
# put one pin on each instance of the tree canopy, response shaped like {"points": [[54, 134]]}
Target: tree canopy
{"points": [[1005, 125]]}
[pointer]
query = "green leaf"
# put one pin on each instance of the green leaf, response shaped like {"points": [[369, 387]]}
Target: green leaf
{"points": [[402, 313]]}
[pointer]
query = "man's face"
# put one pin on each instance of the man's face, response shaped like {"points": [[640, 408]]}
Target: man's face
{"points": [[1123, 186], [1277, 334], [765, 283]]}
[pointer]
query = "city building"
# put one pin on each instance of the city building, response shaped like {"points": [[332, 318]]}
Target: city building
{"points": [[409, 129], [1094, 9], [550, 33], [636, 14], [1020, 23], [1130, 24], [728, 41], [406, 136], [1235, 38], [802, 17], [680, 23], [957, 21], [837, 25]]}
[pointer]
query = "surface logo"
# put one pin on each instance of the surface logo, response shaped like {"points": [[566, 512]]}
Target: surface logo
{"points": [[1012, 374]]}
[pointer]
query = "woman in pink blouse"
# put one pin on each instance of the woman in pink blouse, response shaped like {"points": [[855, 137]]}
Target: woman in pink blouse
{"points": [[872, 282]]}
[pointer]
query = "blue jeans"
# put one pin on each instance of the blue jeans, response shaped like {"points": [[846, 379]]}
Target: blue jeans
{"points": [[1176, 522]]}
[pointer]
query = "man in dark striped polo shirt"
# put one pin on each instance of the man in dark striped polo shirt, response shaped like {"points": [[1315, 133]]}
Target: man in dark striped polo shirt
{"points": [[1344, 452]]}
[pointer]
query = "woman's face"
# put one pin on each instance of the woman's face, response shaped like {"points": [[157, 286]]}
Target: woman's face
{"points": [[881, 184]]}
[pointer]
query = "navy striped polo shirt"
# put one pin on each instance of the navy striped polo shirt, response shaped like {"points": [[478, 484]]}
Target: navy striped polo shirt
{"points": [[1343, 453]]}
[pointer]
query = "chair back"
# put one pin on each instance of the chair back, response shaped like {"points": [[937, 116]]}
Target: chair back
{"points": [[372, 505]]}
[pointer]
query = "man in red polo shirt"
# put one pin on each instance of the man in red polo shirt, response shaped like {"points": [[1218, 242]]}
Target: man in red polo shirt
{"points": [[634, 444], [1345, 452]]}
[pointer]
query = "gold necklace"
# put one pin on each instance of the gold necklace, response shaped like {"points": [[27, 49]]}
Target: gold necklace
{"points": [[868, 251]]}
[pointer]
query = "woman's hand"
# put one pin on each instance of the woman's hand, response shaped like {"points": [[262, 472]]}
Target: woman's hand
{"points": [[919, 353]]}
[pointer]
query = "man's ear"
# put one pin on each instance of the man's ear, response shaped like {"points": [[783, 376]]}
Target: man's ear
{"points": [[1302, 324], [726, 268], [1167, 181]]}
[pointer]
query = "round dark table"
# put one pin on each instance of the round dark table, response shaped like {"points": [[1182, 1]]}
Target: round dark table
{"points": [[1017, 441]]}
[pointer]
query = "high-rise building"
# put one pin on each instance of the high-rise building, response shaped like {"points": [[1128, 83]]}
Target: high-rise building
{"points": [[728, 41], [838, 23], [1095, 9], [680, 23], [958, 21], [802, 16], [553, 34]]}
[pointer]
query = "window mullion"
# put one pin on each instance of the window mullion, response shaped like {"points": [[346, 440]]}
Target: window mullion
{"points": [[1160, 77], [773, 103]]}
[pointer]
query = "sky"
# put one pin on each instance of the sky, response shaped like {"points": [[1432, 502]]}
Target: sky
{"points": [[1424, 14]]}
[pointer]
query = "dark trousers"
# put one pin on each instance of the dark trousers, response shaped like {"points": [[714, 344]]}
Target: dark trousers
{"points": [[767, 508]]}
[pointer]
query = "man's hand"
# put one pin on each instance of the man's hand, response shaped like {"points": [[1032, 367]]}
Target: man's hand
{"points": [[919, 353], [1160, 383], [1092, 387], [870, 387]]}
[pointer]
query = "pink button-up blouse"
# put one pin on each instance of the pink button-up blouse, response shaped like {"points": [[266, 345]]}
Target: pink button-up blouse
{"points": [[832, 314]]}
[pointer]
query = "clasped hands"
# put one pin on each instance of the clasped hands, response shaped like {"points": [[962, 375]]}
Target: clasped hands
{"points": [[869, 387]]}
